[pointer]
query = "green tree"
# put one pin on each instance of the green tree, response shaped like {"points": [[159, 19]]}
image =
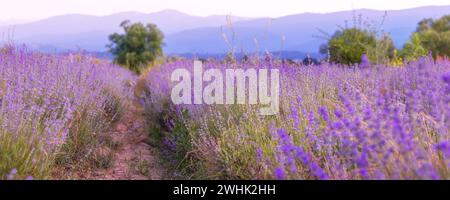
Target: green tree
{"points": [[413, 49], [424, 24], [383, 51], [138, 46], [347, 46], [431, 35]]}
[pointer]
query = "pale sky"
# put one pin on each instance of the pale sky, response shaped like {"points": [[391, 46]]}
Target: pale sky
{"points": [[19, 10]]}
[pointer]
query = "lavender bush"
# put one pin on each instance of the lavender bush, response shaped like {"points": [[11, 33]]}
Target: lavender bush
{"points": [[352, 122], [52, 106]]}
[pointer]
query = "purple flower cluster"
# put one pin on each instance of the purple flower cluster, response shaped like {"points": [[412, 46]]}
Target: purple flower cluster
{"points": [[289, 156]]}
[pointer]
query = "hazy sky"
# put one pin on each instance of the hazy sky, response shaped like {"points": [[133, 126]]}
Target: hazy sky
{"points": [[13, 10]]}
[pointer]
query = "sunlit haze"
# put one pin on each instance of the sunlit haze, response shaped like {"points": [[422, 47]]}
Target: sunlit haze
{"points": [[20, 10]]}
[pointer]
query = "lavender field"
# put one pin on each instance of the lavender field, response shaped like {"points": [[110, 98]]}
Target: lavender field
{"points": [[52, 106], [335, 122], [224, 90]]}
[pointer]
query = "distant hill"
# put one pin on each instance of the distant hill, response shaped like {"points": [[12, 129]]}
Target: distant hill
{"points": [[298, 31], [186, 34], [89, 32]]}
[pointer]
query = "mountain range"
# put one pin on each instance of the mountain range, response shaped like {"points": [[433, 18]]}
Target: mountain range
{"points": [[187, 34]]}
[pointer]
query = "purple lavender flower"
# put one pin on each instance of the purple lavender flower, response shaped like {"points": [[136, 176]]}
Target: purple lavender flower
{"points": [[12, 174], [446, 77], [365, 63], [280, 174]]}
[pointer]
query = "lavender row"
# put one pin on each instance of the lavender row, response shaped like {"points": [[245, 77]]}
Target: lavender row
{"points": [[335, 122], [45, 99]]}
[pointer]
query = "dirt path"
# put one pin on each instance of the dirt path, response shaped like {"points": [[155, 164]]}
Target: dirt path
{"points": [[133, 157]]}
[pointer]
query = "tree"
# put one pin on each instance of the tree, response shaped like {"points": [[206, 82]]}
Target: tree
{"points": [[424, 24], [138, 46], [430, 35], [348, 45], [383, 51], [413, 49]]}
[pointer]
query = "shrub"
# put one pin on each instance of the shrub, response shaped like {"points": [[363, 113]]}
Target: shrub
{"points": [[348, 46]]}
